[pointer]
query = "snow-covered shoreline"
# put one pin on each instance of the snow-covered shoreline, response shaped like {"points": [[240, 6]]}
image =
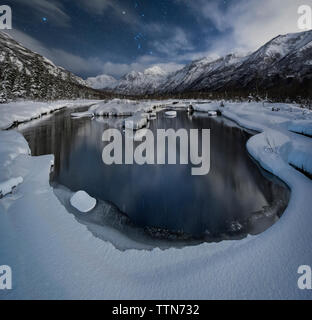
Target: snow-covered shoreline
{"points": [[52, 256], [14, 113]]}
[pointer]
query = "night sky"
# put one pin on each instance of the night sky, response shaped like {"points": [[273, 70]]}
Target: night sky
{"points": [[91, 37]]}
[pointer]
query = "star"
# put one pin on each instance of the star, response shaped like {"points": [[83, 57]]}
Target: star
{"points": [[44, 19], [124, 12]]}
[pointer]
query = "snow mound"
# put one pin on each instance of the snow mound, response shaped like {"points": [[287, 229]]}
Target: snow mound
{"points": [[212, 113], [118, 107], [7, 186], [82, 201]]}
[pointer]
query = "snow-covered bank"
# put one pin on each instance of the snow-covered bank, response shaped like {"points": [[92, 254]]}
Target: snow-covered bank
{"points": [[22, 111], [7, 186], [118, 107], [53, 256], [137, 111]]}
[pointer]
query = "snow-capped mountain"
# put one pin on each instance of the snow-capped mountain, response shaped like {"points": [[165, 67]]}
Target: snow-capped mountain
{"points": [[141, 82], [282, 64], [25, 74], [204, 70], [282, 67], [103, 81]]}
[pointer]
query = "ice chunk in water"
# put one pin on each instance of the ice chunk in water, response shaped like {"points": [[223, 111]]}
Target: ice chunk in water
{"points": [[82, 201], [171, 114]]}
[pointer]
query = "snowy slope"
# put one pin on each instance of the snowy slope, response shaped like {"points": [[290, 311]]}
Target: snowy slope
{"points": [[26, 74], [54, 256], [205, 71], [141, 82]]}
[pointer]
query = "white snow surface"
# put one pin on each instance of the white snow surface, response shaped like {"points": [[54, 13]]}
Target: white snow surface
{"points": [[137, 111], [82, 201], [120, 107], [7, 186], [205, 107], [303, 126], [52, 256], [18, 112]]}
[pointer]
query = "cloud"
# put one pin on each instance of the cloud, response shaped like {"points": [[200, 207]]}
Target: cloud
{"points": [[60, 57], [245, 25], [97, 6], [169, 66], [118, 69], [52, 10], [264, 20], [91, 65], [175, 42]]}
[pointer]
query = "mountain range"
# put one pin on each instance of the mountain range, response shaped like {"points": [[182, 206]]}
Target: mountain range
{"points": [[281, 67]]}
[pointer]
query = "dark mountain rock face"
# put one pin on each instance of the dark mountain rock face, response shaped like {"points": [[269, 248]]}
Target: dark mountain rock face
{"points": [[28, 75], [283, 66]]}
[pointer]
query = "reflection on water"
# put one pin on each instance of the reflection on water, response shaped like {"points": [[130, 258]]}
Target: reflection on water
{"points": [[233, 200]]}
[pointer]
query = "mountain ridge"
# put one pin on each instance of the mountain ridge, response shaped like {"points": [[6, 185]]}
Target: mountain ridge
{"points": [[25, 74], [282, 66]]}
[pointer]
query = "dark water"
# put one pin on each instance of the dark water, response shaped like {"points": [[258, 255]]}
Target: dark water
{"points": [[236, 198]]}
